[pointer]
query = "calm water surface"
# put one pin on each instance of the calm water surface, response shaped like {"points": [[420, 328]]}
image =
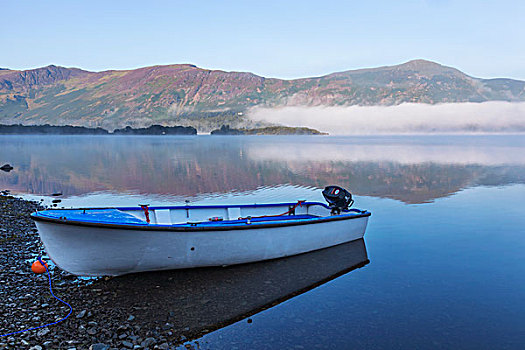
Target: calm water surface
{"points": [[446, 241]]}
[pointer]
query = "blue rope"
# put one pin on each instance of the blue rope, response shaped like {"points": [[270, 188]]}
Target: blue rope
{"points": [[54, 296]]}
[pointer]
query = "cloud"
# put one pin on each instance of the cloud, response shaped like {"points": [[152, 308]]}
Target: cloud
{"points": [[486, 117]]}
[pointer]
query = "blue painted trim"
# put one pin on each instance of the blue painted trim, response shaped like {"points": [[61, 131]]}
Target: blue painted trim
{"points": [[198, 227]]}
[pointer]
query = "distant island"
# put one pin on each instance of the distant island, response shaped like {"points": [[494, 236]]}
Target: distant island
{"points": [[47, 129], [81, 130], [270, 130], [50, 129], [157, 130]]}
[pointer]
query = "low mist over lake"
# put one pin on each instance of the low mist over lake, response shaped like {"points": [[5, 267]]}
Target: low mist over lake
{"points": [[407, 118]]}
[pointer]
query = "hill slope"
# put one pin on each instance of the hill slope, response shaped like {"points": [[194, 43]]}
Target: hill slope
{"points": [[172, 94]]}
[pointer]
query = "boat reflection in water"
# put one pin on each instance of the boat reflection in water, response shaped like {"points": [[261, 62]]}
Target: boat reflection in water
{"points": [[196, 301]]}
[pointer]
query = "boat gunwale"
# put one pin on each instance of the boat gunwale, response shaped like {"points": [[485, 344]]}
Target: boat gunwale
{"points": [[179, 228], [198, 206]]}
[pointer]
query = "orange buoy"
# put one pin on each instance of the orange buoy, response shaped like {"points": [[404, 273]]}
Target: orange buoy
{"points": [[37, 267]]}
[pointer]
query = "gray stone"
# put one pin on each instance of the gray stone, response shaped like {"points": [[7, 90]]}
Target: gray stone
{"points": [[127, 344], [99, 346], [81, 314], [148, 342], [43, 332], [164, 346]]}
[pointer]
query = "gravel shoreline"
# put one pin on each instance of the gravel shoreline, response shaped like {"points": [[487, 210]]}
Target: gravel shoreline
{"points": [[96, 323]]}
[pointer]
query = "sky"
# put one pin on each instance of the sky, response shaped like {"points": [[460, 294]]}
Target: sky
{"points": [[282, 39]]}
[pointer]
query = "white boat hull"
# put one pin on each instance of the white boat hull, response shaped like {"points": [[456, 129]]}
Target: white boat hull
{"points": [[105, 251]]}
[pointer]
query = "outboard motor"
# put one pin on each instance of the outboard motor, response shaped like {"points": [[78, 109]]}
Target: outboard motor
{"points": [[338, 199]]}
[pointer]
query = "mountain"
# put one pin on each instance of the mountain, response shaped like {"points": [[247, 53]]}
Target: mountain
{"points": [[184, 94]]}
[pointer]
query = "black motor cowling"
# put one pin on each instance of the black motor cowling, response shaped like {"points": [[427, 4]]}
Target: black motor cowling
{"points": [[338, 198]]}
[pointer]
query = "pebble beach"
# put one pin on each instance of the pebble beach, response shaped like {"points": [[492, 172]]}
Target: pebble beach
{"points": [[151, 310], [96, 322]]}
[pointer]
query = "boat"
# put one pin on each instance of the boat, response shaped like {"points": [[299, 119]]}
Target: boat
{"points": [[121, 240]]}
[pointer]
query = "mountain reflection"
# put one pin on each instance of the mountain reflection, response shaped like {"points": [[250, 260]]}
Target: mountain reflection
{"points": [[411, 169]]}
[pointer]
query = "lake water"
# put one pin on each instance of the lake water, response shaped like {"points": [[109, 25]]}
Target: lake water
{"points": [[445, 243]]}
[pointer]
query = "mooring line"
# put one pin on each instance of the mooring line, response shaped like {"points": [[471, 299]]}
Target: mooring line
{"points": [[54, 296]]}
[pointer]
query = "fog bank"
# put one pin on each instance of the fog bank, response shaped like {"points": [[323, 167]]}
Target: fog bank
{"points": [[486, 117]]}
